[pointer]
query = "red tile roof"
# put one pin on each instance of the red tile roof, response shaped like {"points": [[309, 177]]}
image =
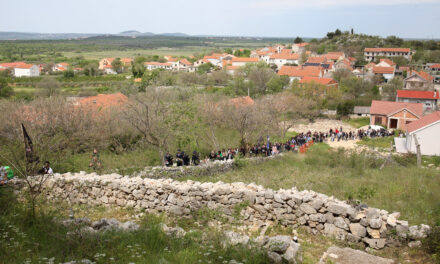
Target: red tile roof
{"points": [[387, 107], [158, 63], [422, 74], [186, 62], [285, 56], [170, 58], [435, 66], [298, 71], [104, 100], [244, 59], [388, 61], [19, 65], [302, 44], [318, 59], [423, 122], [334, 55], [370, 65], [323, 81], [387, 50], [418, 94], [126, 60], [383, 70]]}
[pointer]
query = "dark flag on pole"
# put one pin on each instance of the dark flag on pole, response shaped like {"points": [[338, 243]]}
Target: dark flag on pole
{"points": [[29, 147]]}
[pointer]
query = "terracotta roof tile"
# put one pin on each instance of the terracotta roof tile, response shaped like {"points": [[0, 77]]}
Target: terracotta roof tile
{"points": [[387, 50], [318, 59], [418, 94], [383, 70], [323, 81], [388, 61], [388, 107], [298, 71], [423, 122], [284, 56], [237, 59], [422, 74]]}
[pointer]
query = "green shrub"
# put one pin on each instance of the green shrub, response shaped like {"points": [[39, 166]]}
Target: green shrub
{"points": [[432, 243]]}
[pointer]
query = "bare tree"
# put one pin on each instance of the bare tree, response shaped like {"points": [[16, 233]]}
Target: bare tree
{"points": [[286, 108]]}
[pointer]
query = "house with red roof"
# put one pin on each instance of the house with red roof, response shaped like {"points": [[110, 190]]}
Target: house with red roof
{"points": [[185, 65], [238, 61], [103, 63], [317, 59], [328, 82], [152, 65], [299, 72], [300, 47], [281, 59], [418, 80], [386, 63], [334, 56], [126, 62], [21, 69], [394, 115], [426, 130], [343, 64], [60, 67], [370, 54], [388, 73], [429, 99]]}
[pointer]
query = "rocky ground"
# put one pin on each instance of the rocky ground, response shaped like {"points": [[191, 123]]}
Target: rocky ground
{"points": [[321, 125]]}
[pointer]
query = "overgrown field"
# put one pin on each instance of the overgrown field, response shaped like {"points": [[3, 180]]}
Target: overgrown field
{"points": [[413, 192], [44, 240]]}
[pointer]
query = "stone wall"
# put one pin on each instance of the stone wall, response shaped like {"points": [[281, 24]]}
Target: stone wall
{"points": [[315, 211]]}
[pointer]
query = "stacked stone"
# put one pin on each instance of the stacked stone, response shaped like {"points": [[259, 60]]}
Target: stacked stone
{"points": [[317, 212]]}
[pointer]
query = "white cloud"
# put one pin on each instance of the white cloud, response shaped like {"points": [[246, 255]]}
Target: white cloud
{"points": [[294, 4]]}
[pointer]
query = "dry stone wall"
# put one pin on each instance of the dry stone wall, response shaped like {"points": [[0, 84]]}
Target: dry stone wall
{"points": [[318, 212]]}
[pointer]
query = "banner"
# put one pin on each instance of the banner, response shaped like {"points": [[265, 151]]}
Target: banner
{"points": [[29, 147]]}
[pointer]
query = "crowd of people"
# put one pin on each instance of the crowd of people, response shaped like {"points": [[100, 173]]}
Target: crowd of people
{"points": [[269, 149]]}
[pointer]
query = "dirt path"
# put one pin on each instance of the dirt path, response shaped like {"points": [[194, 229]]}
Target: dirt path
{"points": [[321, 125], [349, 144]]}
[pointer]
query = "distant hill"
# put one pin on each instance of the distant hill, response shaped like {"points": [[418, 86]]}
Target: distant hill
{"points": [[177, 34], [4, 35], [43, 36]]}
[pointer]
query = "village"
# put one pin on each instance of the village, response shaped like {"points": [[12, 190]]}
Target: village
{"points": [[220, 132], [412, 108]]}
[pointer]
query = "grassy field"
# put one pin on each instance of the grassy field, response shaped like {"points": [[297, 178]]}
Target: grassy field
{"points": [[358, 122], [380, 143], [96, 55], [413, 192], [44, 240]]}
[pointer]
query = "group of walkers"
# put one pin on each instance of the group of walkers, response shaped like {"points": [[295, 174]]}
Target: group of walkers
{"points": [[270, 149], [182, 159]]}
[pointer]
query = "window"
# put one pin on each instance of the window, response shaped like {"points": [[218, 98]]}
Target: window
{"points": [[378, 120]]}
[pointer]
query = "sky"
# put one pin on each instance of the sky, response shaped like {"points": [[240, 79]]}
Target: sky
{"points": [[265, 18]]}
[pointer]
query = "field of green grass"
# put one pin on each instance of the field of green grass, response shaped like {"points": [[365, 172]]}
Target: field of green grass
{"points": [[96, 55], [45, 240], [358, 122], [380, 143], [413, 192]]}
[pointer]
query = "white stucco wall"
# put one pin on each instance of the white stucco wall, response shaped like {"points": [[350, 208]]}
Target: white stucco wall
{"points": [[31, 72], [429, 140]]}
